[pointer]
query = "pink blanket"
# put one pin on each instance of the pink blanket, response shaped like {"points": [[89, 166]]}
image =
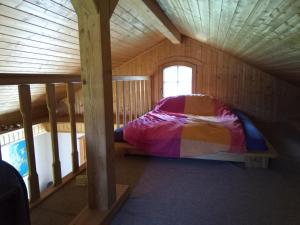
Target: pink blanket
{"points": [[186, 126]]}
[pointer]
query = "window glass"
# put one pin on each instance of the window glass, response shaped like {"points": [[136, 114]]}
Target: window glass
{"points": [[177, 80]]}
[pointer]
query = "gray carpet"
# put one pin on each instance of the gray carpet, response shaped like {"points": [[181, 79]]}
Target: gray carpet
{"points": [[179, 192], [188, 192]]}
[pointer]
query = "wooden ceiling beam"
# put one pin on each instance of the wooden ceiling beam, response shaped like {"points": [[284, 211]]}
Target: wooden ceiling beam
{"points": [[161, 21], [112, 6]]}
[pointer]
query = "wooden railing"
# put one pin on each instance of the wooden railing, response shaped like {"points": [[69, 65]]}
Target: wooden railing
{"points": [[23, 82], [132, 98]]}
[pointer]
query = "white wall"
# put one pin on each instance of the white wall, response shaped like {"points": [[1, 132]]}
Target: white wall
{"points": [[43, 156]]}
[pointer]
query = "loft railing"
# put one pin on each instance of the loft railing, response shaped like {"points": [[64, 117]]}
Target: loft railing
{"points": [[132, 98], [23, 82]]}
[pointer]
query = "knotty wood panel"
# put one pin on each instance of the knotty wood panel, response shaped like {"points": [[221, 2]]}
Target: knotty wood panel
{"points": [[266, 33], [221, 75], [42, 36]]}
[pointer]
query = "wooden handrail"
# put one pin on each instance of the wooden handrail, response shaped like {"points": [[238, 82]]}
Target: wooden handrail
{"points": [[130, 78], [17, 79]]}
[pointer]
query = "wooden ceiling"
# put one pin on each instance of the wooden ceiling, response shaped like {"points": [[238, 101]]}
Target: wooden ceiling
{"points": [[264, 32], [41, 36]]}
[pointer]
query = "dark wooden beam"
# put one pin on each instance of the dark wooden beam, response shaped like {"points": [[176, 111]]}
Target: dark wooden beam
{"points": [[112, 6]]}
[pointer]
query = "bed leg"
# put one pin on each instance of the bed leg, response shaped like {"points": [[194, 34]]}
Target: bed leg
{"points": [[257, 162]]}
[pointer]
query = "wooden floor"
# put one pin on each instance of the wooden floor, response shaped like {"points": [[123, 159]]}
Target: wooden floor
{"points": [[64, 205]]}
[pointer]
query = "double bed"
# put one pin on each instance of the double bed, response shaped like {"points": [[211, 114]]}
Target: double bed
{"points": [[196, 126]]}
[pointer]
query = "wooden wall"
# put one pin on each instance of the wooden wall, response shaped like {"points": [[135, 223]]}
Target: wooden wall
{"points": [[221, 75]]}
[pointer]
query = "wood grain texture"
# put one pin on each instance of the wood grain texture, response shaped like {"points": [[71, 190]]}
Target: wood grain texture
{"points": [[265, 33], [51, 105], [72, 116], [96, 74], [222, 76], [25, 107]]}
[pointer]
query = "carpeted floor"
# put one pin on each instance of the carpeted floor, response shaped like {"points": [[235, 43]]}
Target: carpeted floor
{"points": [[188, 192]]}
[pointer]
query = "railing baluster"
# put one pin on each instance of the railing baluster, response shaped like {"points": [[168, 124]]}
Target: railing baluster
{"points": [[141, 97], [118, 104], [145, 104], [130, 101], [51, 104], [25, 108], [71, 107], [149, 94], [136, 99], [124, 103]]}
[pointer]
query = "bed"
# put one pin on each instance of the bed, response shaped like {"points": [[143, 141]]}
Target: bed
{"points": [[196, 126]]}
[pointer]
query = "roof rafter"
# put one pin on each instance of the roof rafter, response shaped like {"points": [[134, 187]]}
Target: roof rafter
{"points": [[161, 21]]}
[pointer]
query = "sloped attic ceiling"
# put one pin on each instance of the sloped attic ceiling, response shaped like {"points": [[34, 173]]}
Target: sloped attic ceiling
{"points": [[263, 32], [41, 36]]}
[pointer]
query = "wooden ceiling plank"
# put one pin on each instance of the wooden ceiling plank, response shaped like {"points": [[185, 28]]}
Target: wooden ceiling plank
{"points": [[19, 59], [36, 20], [18, 53], [39, 30], [35, 44], [36, 37], [267, 32], [22, 48], [42, 12], [56, 8]]}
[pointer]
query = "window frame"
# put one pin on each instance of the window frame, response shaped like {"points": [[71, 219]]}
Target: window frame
{"points": [[177, 63]]}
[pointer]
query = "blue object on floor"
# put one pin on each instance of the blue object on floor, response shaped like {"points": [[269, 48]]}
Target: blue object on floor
{"points": [[118, 134], [255, 141]]}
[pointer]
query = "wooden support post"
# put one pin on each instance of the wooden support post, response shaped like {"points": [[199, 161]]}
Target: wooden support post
{"points": [[96, 73], [71, 107], [51, 104], [25, 108]]}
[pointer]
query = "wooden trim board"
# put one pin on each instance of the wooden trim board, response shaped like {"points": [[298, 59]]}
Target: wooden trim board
{"points": [[251, 159], [96, 217]]}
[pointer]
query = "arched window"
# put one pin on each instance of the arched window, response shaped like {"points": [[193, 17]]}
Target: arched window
{"points": [[177, 80]]}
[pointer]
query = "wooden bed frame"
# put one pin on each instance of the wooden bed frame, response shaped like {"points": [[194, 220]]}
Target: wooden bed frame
{"points": [[251, 159]]}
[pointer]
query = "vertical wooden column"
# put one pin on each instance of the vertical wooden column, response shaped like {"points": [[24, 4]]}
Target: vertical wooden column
{"points": [[25, 108], [71, 108], [96, 73], [51, 104]]}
